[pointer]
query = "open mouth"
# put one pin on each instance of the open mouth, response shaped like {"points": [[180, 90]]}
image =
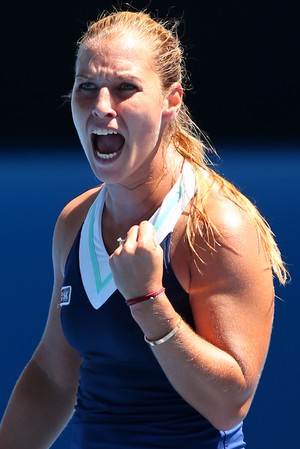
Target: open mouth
{"points": [[107, 143]]}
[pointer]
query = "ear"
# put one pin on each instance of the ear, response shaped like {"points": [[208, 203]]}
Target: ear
{"points": [[172, 102]]}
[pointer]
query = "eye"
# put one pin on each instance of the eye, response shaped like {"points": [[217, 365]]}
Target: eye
{"points": [[127, 86], [87, 86]]}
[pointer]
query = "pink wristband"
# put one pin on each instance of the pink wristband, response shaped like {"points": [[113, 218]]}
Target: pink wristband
{"points": [[149, 297]]}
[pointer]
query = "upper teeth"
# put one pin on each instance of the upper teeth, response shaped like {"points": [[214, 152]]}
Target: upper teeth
{"points": [[104, 132]]}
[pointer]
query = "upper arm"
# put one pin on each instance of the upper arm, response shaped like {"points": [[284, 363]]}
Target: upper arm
{"points": [[54, 354], [232, 298]]}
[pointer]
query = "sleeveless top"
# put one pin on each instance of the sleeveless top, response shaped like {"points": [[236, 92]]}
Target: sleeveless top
{"points": [[124, 399]]}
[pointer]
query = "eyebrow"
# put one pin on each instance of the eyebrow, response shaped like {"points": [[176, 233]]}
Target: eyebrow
{"points": [[121, 76]]}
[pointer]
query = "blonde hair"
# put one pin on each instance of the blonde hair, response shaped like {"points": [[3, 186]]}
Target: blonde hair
{"points": [[187, 138]]}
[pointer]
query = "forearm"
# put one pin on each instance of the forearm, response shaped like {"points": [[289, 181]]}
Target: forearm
{"points": [[37, 411], [207, 377]]}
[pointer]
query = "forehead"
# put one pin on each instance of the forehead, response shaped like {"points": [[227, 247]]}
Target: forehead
{"points": [[123, 53]]}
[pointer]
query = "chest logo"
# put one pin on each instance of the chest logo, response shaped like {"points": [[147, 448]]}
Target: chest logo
{"points": [[65, 295]]}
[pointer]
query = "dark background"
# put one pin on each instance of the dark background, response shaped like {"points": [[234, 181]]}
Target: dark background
{"points": [[242, 56]]}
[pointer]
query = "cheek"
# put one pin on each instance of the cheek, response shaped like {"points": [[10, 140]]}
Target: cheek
{"points": [[77, 115], [145, 130], [148, 120], [78, 124], [74, 111]]}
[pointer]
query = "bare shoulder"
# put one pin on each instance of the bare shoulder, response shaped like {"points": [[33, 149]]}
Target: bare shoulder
{"points": [[70, 220], [237, 244], [237, 233], [232, 240], [77, 208]]}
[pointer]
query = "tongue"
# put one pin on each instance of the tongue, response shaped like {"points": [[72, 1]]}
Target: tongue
{"points": [[109, 144]]}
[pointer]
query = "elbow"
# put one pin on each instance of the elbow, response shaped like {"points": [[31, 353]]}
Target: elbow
{"points": [[227, 422], [226, 411], [230, 416], [230, 408]]}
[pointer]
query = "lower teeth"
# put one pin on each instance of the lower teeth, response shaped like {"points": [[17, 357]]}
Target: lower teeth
{"points": [[106, 156]]}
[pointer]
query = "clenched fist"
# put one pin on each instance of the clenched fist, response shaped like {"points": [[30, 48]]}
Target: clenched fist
{"points": [[137, 264]]}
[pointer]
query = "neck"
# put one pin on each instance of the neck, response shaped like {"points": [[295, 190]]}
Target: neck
{"points": [[126, 206]]}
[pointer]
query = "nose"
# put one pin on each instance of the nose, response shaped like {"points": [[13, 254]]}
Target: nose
{"points": [[103, 106]]}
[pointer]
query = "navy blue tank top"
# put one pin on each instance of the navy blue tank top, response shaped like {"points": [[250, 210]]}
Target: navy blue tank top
{"points": [[124, 399]]}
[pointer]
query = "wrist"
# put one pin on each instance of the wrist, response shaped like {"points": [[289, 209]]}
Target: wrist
{"points": [[148, 297], [165, 337]]}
